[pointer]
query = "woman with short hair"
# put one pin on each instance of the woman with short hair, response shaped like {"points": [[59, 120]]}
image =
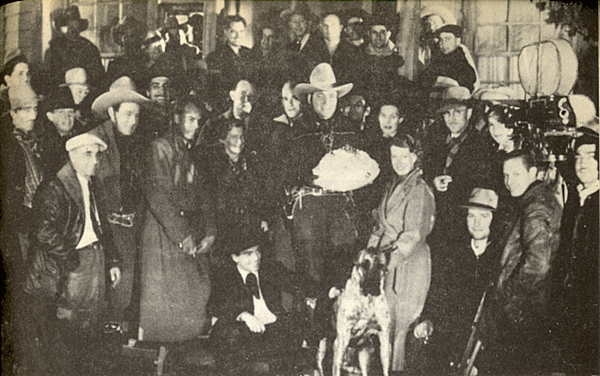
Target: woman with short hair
{"points": [[405, 217]]}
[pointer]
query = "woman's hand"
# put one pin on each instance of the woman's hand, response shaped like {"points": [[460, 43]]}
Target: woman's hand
{"points": [[423, 330], [441, 182], [188, 245], [115, 276], [204, 245]]}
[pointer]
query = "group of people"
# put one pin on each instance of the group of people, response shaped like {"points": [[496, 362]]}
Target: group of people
{"points": [[164, 205]]}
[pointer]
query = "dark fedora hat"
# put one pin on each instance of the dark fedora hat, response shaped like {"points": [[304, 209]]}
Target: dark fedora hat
{"points": [[453, 29], [244, 239], [69, 14], [60, 98]]}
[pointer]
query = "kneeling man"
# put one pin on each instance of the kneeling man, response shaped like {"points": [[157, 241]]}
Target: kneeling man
{"points": [[246, 299]]}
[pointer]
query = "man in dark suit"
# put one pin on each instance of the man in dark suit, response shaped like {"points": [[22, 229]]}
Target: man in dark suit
{"points": [[246, 299], [457, 159], [231, 61]]}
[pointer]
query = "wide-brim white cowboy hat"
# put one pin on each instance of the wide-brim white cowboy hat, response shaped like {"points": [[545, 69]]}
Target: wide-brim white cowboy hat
{"points": [[322, 78], [121, 90], [445, 13]]}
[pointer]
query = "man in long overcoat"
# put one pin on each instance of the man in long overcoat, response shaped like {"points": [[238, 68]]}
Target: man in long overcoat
{"points": [[178, 231]]}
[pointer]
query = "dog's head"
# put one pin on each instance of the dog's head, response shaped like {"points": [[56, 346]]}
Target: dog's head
{"points": [[369, 269]]}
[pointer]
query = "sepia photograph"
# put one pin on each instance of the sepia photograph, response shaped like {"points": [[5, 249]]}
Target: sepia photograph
{"points": [[299, 188]]}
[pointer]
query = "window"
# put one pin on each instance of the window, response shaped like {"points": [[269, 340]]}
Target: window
{"points": [[502, 28]]}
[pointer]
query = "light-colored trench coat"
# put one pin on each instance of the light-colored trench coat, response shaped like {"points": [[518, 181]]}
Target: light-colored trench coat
{"points": [[405, 217]]}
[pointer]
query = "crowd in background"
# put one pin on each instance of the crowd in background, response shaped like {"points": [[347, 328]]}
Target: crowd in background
{"points": [[142, 199]]}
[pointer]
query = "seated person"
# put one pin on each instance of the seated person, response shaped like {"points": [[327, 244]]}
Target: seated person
{"points": [[252, 325]]}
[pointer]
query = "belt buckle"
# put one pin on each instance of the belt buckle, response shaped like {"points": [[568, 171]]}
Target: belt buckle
{"points": [[125, 220]]}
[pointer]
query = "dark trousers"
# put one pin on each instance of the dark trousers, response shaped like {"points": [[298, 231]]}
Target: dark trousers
{"points": [[322, 227], [123, 300], [237, 348]]}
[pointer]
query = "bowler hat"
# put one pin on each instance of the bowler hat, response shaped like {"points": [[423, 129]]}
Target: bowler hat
{"points": [[482, 198], [61, 98], [322, 78], [122, 90], [69, 14]]}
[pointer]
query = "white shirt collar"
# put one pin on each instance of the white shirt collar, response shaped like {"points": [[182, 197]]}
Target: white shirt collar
{"points": [[236, 49], [586, 192], [244, 273], [478, 250]]}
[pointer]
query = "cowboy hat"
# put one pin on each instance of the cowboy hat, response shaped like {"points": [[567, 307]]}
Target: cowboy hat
{"points": [[69, 14], [482, 198], [322, 78], [445, 14], [122, 90]]}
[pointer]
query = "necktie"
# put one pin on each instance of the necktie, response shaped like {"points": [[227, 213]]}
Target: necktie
{"points": [[252, 285]]}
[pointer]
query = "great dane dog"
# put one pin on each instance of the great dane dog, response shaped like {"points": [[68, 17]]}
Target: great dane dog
{"points": [[361, 310]]}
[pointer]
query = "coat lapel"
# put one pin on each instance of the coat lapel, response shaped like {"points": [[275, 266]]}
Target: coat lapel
{"points": [[68, 177]]}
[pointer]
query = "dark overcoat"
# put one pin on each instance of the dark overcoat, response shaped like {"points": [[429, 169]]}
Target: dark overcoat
{"points": [[174, 285]]}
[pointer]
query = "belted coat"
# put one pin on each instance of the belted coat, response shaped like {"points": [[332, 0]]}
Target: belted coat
{"points": [[405, 217]]}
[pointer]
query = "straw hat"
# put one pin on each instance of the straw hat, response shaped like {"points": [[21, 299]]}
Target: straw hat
{"points": [[121, 90], [322, 78]]}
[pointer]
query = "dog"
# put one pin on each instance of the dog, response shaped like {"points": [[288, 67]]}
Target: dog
{"points": [[361, 310]]}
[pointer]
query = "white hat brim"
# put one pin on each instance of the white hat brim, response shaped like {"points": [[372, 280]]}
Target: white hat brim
{"points": [[114, 97], [303, 89]]}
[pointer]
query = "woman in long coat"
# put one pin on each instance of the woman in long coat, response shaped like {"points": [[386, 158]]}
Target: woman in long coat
{"points": [[405, 217], [179, 228]]}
